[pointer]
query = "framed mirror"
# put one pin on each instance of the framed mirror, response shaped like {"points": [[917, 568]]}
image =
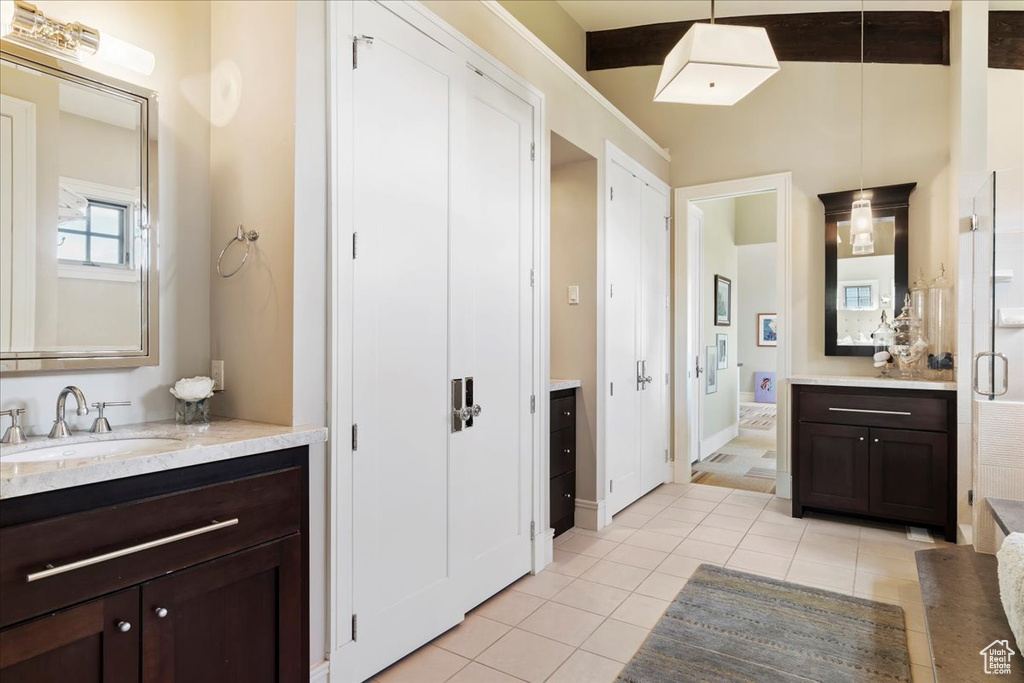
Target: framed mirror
{"points": [[78, 268], [860, 284]]}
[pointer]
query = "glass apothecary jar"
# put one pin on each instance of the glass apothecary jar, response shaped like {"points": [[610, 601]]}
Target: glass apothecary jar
{"points": [[882, 339], [940, 328], [909, 347]]}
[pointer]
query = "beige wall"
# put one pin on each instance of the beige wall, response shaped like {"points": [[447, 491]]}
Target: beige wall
{"points": [[718, 257], [556, 27], [574, 328], [756, 218], [755, 294], [162, 27], [1005, 118], [805, 119]]}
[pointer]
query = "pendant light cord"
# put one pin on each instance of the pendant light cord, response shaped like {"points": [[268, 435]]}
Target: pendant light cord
{"points": [[712, 12], [861, 97]]}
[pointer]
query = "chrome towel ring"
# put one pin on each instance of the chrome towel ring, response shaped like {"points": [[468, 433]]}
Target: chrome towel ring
{"points": [[243, 235]]}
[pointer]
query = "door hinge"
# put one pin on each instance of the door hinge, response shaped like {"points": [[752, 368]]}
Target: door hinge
{"points": [[355, 245], [666, 379], [611, 388], [355, 626], [355, 437], [533, 277], [666, 455], [533, 530], [355, 48], [533, 403], [611, 485], [611, 291], [667, 218], [611, 194], [970, 497], [533, 151]]}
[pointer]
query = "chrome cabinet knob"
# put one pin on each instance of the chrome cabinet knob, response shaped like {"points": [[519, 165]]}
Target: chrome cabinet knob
{"points": [[876, 440], [568, 495], [160, 612], [567, 413], [124, 626], [568, 450], [862, 438]]}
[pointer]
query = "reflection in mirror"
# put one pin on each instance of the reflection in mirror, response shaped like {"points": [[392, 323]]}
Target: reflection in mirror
{"points": [[865, 283], [75, 255]]}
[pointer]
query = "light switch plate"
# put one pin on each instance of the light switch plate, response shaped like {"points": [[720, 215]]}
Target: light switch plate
{"points": [[217, 374], [574, 295]]}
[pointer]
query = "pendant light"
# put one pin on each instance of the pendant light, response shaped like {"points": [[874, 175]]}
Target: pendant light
{"points": [[862, 224], [716, 64]]}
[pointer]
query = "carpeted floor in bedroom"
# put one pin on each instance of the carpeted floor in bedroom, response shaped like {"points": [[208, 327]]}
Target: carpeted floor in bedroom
{"points": [[748, 461]]}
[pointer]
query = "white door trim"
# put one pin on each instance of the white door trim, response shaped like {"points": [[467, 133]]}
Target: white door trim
{"points": [[23, 206], [340, 297], [686, 329]]}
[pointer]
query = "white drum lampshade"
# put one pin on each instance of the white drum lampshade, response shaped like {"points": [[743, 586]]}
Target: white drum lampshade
{"points": [[716, 64]]}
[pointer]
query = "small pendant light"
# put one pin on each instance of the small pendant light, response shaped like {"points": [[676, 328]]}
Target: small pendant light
{"points": [[862, 224]]}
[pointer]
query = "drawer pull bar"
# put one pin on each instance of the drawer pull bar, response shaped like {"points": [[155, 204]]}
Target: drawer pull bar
{"points": [[878, 412], [53, 571]]}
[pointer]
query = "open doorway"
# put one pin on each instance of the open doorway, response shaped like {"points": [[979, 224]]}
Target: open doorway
{"points": [[731, 356]]}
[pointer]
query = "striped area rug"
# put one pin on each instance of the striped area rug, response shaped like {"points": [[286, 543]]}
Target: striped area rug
{"points": [[732, 627]]}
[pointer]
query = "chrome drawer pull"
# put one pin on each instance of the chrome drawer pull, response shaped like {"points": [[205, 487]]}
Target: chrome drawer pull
{"points": [[879, 412], [53, 571]]}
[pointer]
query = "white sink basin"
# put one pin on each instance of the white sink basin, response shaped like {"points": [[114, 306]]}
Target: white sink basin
{"points": [[92, 449]]}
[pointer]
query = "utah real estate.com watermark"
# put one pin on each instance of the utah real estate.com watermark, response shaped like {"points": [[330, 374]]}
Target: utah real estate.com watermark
{"points": [[997, 657]]}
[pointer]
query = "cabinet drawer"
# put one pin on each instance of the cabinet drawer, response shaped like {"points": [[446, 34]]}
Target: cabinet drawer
{"points": [[563, 413], [563, 451], [109, 548], [563, 495], [868, 410]]}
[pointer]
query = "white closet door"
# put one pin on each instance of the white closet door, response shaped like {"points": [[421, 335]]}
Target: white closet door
{"points": [[403, 592], [622, 408], [491, 338], [654, 466]]}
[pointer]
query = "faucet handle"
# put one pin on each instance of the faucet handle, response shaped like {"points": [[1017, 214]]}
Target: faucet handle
{"points": [[14, 434], [100, 425]]}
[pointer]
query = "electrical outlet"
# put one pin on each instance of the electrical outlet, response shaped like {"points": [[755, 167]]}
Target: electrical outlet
{"points": [[217, 374]]}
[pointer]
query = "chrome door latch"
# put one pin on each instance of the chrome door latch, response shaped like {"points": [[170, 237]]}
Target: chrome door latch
{"points": [[463, 413], [642, 378]]}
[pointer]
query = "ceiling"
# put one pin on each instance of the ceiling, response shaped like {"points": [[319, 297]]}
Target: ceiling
{"points": [[597, 15]]}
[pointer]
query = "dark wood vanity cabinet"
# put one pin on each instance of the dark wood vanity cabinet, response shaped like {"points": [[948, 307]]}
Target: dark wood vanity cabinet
{"points": [[883, 453], [563, 460], [204, 577]]}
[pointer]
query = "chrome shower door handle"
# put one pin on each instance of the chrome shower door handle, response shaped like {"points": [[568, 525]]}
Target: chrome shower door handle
{"points": [[1006, 373]]}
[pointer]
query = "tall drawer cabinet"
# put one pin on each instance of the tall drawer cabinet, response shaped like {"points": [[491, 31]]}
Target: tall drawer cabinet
{"points": [[883, 453], [563, 459]]}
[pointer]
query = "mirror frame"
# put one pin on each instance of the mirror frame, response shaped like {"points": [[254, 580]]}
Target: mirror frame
{"points": [[887, 200], [149, 348]]}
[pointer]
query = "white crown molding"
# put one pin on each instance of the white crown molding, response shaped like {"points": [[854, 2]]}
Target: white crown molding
{"points": [[573, 75]]}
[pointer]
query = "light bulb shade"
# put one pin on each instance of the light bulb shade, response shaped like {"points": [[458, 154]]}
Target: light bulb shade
{"points": [[861, 222], [122, 53], [716, 64]]}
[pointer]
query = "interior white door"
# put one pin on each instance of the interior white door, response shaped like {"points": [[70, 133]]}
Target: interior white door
{"points": [[622, 407], [491, 339], [654, 466], [6, 230], [402, 571], [694, 360]]}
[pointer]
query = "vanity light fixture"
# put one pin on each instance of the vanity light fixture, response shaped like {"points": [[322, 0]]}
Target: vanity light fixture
{"points": [[716, 64], [22, 22], [862, 224]]}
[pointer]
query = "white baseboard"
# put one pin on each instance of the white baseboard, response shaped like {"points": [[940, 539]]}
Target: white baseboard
{"points": [[543, 549], [591, 514], [711, 444], [746, 397], [783, 485], [320, 673]]}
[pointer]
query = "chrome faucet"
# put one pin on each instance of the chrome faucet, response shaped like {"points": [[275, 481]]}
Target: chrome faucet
{"points": [[60, 429]]}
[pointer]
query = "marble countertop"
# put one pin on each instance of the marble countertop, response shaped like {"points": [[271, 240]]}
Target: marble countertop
{"points": [[222, 439], [1009, 514], [872, 382], [559, 384]]}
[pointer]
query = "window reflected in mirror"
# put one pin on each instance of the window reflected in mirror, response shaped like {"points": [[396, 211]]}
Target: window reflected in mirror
{"points": [[866, 283]]}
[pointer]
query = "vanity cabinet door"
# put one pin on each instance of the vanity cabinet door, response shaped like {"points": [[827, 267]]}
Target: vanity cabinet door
{"points": [[238, 618], [909, 475], [834, 468], [95, 642]]}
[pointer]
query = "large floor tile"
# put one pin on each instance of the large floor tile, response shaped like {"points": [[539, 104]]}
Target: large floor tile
{"points": [[781, 518], [429, 664], [651, 540], [632, 519], [766, 544], [679, 565], [828, 526], [661, 586], [636, 556], [786, 533], [612, 532], [616, 640], [474, 635], [900, 569], [544, 585], [586, 667], [615, 574], [740, 511], [562, 623], [683, 515], [592, 597], [716, 535], [720, 521], [644, 507], [759, 563], [920, 652], [830, 575], [704, 551], [886, 588], [669, 527], [570, 564], [695, 504], [475, 672], [892, 551], [509, 607], [588, 545], [711, 493], [836, 556], [526, 655], [640, 610]]}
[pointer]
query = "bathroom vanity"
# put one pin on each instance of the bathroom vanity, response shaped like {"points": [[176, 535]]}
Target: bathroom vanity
{"points": [[563, 454], [884, 449], [189, 564]]}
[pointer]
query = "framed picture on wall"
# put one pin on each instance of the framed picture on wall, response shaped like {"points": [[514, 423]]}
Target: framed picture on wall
{"points": [[723, 300], [722, 342], [711, 371], [767, 329]]}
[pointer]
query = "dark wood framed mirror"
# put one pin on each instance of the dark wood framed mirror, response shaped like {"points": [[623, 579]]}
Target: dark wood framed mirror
{"points": [[860, 286]]}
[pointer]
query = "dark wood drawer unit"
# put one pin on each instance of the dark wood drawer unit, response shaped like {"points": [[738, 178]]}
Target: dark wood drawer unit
{"points": [[214, 556], [563, 460], [883, 453]]}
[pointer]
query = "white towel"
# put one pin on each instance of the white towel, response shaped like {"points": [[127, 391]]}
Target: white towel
{"points": [[1011, 584]]}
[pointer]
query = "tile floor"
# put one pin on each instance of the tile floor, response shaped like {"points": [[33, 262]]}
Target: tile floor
{"points": [[583, 617]]}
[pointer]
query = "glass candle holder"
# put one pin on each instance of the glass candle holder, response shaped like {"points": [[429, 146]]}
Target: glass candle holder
{"points": [[192, 412]]}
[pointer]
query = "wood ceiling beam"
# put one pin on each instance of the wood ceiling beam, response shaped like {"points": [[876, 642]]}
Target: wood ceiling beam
{"points": [[889, 38], [1006, 40]]}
